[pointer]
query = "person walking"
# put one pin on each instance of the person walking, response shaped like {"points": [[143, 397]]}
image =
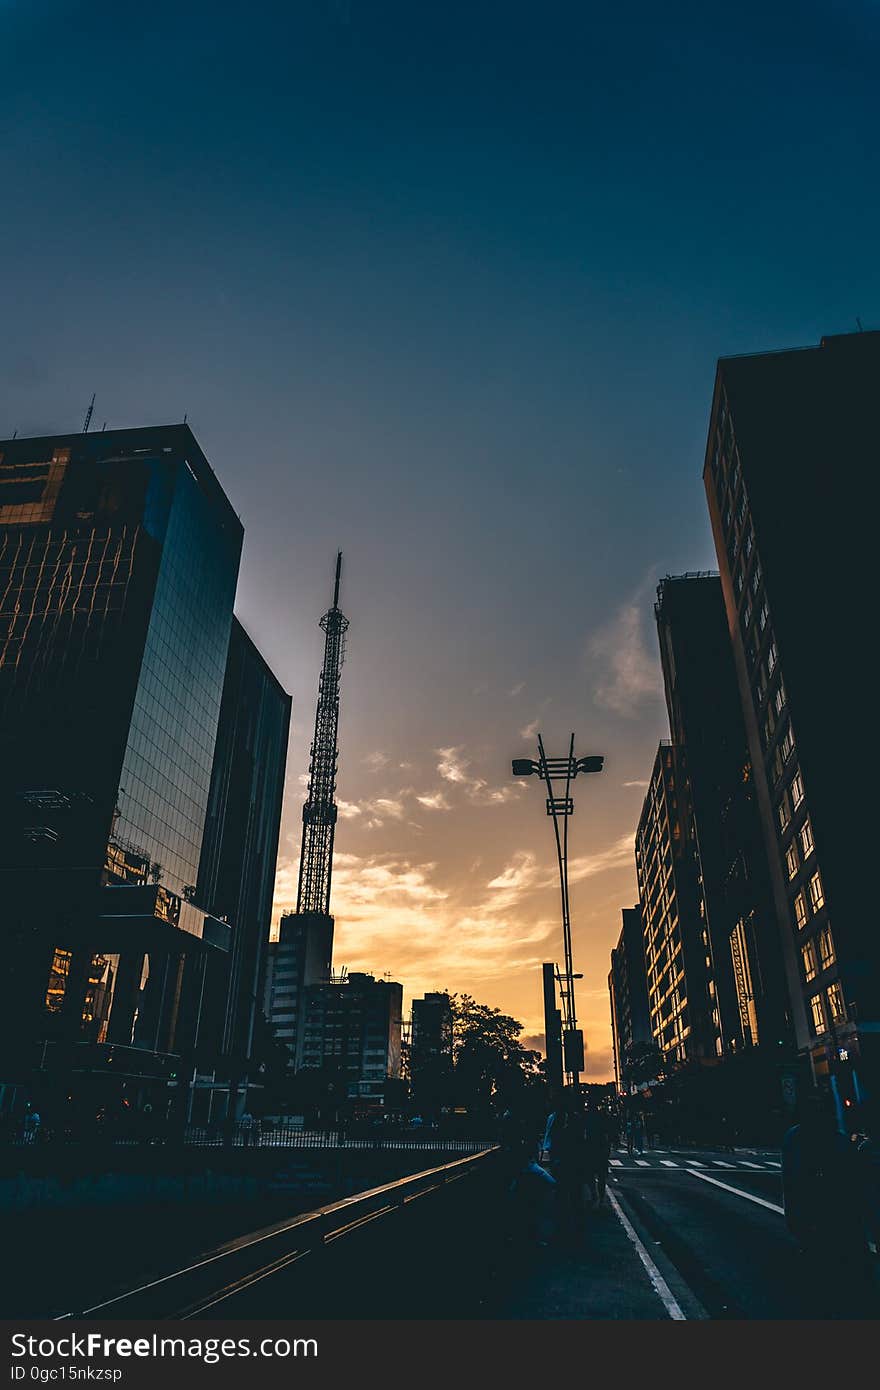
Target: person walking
{"points": [[565, 1145], [31, 1127], [248, 1130]]}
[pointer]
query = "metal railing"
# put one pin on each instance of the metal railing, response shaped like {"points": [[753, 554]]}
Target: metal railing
{"points": [[243, 1136], [219, 1274], [293, 1137]]}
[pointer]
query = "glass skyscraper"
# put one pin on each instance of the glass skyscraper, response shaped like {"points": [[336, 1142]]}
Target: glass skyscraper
{"points": [[119, 556]]}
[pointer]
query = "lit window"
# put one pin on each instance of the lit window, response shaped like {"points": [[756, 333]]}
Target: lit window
{"points": [[807, 842], [826, 948], [791, 859], [763, 616], [800, 910], [808, 956], [784, 812], [787, 744], [756, 578], [797, 790], [772, 658], [818, 1013], [835, 1002], [817, 894]]}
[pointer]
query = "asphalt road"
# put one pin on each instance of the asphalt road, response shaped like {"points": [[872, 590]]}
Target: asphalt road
{"points": [[722, 1230]]}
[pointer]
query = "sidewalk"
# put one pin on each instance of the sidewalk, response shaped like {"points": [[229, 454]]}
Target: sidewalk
{"points": [[599, 1274]]}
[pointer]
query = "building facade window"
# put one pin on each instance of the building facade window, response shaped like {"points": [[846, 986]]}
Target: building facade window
{"points": [[783, 812], [800, 910], [808, 956], [791, 860], [797, 790], [835, 1002], [807, 841], [817, 893], [818, 1013], [826, 948], [787, 744]]}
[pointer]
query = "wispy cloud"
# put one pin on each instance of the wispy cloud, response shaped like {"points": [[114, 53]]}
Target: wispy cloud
{"points": [[454, 767], [531, 730], [376, 760], [628, 670], [643, 786], [517, 689], [434, 801]]}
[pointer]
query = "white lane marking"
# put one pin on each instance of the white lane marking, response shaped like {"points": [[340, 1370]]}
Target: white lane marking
{"points": [[643, 1163], [692, 1163], [668, 1163], [744, 1163], [719, 1163], [660, 1286], [738, 1192], [616, 1163], [770, 1163]]}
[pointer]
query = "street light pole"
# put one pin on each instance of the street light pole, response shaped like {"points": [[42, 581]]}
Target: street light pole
{"points": [[560, 808]]}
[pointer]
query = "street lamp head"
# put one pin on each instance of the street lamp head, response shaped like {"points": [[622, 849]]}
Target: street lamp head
{"points": [[590, 764], [524, 767]]}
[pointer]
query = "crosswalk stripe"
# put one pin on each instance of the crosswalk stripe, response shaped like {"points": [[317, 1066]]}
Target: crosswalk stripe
{"points": [[745, 1164], [668, 1163], [692, 1163], [616, 1163], [642, 1163], [719, 1163]]}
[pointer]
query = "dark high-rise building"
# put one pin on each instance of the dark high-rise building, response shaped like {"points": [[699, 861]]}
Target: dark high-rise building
{"points": [[681, 990], [119, 557], [718, 812], [430, 1058], [791, 440], [240, 844], [352, 1026], [628, 991], [298, 959]]}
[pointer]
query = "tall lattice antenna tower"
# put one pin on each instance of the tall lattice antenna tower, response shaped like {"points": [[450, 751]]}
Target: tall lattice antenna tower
{"points": [[319, 812]]}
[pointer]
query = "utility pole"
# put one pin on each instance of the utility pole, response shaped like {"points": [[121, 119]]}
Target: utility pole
{"points": [[560, 808]]}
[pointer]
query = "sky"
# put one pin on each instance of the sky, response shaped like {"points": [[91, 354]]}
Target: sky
{"points": [[442, 286]]}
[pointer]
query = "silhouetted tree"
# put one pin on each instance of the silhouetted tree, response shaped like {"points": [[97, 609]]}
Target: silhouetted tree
{"points": [[492, 1069]]}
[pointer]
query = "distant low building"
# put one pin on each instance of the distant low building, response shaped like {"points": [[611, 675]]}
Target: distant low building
{"points": [[430, 1057], [351, 1026], [299, 959]]}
